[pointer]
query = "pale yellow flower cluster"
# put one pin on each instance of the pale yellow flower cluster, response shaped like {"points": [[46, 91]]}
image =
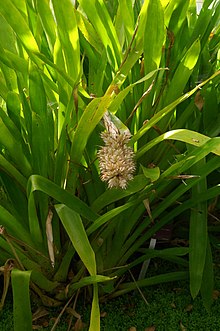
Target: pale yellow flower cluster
{"points": [[116, 159]]}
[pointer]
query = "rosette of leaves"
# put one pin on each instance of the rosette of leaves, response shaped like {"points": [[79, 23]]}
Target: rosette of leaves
{"points": [[62, 66]]}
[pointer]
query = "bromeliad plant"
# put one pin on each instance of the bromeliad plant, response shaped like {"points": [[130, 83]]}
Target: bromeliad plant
{"points": [[142, 77]]}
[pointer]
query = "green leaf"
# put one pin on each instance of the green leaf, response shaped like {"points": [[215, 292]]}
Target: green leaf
{"points": [[62, 272], [152, 173], [95, 312], [124, 21], [154, 36], [77, 234], [98, 15], [109, 215], [68, 36], [58, 68], [166, 110], [211, 120], [15, 198], [14, 148], [18, 23], [164, 278], [88, 31], [21, 300], [197, 235], [39, 183], [200, 174], [136, 239], [34, 221], [207, 285], [188, 204], [183, 72], [170, 254], [179, 251], [47, 21], [90, 280], [37, 93], [7, 41], [13, 108], [37, 266], [169, 9], [141, 26], [25, 107], [14, 226], [39, 146], [14, 61], [88, 121], [8, 122], [207, 19], [8, 168], [61, 161], [110, 196], [7, 37], [3, 88], [184, 135], [114, 106]]}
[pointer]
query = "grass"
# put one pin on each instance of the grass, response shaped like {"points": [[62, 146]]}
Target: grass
{"points": [[170, 308]]}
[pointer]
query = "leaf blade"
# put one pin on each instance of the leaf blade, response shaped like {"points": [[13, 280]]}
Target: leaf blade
{"points": [[21, 312], [77, 234]]}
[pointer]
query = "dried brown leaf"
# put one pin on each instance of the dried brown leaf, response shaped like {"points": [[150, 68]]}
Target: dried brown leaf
{"points": [[147, 206], [150, 328], [178, 290], [72, 311], [79, 325], [45, 324], [215, 294], [40, 312], [182, 327], [103, 314], [49, 233], [36, 327], [189, 308], [133, 328], [173, 305], [199, 101]]}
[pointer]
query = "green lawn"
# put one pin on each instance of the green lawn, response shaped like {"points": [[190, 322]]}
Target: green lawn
{"points": [[170, 308]]}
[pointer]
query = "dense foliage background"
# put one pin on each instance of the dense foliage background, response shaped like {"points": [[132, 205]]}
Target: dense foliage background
{"points": [[152, 69]]}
